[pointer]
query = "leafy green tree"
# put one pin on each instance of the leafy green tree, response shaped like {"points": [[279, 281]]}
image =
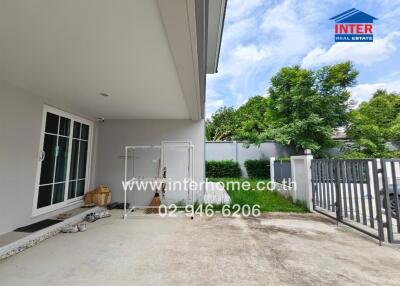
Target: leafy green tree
{"points": [[222, 125], [252, 119], [305, 106], [375, 122], [245, 123], [395, 129]]}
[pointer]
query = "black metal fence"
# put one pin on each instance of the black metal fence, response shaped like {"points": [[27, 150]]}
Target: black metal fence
{"points": [[348, 190], [364, 194], [282, 171]]}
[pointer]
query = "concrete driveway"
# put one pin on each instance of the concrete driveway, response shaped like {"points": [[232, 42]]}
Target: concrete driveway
{"points": [[278, 249]]}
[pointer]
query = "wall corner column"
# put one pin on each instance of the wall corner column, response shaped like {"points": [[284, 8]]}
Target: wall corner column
{"points": [[301, 176], [272, 168]]}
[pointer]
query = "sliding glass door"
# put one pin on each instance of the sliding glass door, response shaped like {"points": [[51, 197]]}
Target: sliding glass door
{"points": [[77, 174], [63, 164], [54, 160]]}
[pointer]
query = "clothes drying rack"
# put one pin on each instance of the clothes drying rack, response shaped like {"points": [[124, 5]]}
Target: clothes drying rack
{"points": [[164, 147]]}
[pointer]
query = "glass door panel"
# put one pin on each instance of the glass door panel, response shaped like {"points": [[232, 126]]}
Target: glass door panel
{"points": [[44, 197], [64, 126], [85, 132], [71, 189], [79, 154], [49, 159], [77, 129], [82, 159], [58, 193], [63, 173], [80, 187], [62, 159], [51, 123], [54, 164], [73, 172]]}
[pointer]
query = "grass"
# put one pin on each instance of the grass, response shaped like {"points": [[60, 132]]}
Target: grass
{"points": [[269, 201]]}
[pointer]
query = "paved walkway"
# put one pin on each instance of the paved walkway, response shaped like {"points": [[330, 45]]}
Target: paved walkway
{"points": [[278, 249]]}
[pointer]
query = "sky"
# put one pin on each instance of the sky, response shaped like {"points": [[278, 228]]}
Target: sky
{"points": [[261, 36]]}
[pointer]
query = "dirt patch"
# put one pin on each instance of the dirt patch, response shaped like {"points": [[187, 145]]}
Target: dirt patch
{"points": [[287, 231], [296, 216]]}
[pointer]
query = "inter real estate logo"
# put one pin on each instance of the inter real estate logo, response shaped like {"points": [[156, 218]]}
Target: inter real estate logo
{"points": [[354, 26]]}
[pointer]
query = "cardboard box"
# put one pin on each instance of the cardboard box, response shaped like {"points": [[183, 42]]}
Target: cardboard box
{"points": [[100, 196]]}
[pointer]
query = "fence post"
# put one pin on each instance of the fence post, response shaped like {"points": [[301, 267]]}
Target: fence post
{"points": [[272, 168], [301, 176], [387, 203], [338, 190]]}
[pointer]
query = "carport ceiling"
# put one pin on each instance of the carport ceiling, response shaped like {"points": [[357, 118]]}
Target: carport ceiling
{"points": [[70, 51]]}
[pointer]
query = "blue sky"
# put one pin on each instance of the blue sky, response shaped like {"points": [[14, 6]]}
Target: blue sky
{"points": [[261, 36]]}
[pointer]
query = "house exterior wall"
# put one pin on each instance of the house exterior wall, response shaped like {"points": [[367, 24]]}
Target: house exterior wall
{"points": [[237, 151], [114, 135], [20, 128]]}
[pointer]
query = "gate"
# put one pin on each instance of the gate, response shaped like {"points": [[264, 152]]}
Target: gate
{"points": [[282, 171], [348, 191], [391, 199]]}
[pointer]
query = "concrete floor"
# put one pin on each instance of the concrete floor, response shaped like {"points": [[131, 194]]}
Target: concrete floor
{"points": [[13, 236], [278, 249]]}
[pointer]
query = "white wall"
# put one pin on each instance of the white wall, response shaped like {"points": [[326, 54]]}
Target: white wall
{"points": [[301, 176], [237, 151], [20, 127], [114, 135]]}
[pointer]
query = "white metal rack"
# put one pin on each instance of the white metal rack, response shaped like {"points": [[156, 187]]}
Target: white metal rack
{"points": [[165, 145]]}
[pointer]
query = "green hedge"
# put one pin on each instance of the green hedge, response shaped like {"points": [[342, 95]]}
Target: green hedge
{"points": [[257, 168], [286, 159], [360, 155], [223, 169]]}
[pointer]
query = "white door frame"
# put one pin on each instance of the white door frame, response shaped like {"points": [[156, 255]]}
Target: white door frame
{"points": [[66, 202]]}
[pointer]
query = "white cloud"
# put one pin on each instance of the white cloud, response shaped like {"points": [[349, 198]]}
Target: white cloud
{"points": [[251, 48], [236, 31], [291, 26], [214, 100], [251, 53], [360, 53], [242, 8], [364, 91], [262, 36], [212, 105], [273, 19]]}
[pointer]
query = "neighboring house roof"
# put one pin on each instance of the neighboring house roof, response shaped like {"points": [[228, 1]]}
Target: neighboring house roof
{"points": [[353, 16]]}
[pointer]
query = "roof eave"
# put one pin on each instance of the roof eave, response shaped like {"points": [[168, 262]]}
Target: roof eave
{"points": [[216, 19]]}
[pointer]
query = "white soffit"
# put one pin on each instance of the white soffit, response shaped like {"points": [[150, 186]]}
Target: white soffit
{"points": [[70, 51], [179, 18], [216, 17]]}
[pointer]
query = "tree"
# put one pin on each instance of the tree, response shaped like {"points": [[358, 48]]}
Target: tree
{"points": [[395, 129], [375, 122], [302, 109], [252, 119], [245, 123], [305, 106], [222, 125]]}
